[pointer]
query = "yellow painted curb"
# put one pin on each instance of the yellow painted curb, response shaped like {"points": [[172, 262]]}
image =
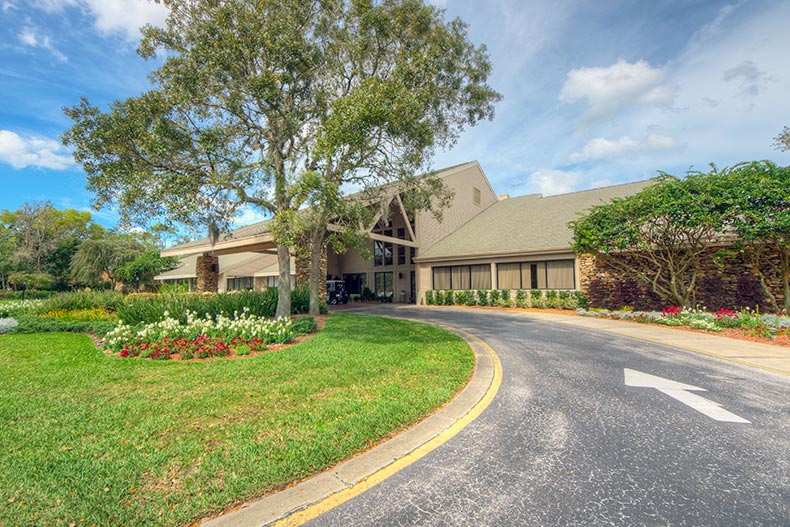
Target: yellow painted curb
{"points": [[329, 503]]}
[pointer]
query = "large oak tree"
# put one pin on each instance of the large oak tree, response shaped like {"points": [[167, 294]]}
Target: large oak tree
{"points": [[255, 98]]}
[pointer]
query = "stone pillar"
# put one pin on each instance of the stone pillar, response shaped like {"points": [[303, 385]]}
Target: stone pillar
{"points": [[207, 270], [302, 274]]}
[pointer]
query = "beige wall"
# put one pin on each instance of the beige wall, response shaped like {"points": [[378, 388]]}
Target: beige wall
{"points": [[429, 230]]}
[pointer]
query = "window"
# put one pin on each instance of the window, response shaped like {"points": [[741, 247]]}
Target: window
{"points": [[401, 233], [355, 282], [383, 285], [241, 283], [553, 274], [382, 253], [476, 196], [412, 252], [462, 277], [401, 255], [272, 281]]}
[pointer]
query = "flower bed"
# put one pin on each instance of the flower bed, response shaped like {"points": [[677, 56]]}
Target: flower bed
{"points": [[751, 323], [199, 337]]}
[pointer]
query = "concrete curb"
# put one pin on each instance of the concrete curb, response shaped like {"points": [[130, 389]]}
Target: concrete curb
{"points": [[298, 504]]}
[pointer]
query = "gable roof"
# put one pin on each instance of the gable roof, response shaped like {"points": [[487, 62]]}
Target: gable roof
{"points": [[532, 223], [263, 228]]}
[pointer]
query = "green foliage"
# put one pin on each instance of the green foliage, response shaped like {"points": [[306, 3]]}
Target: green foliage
{"points": [[37, 324], [522, 298], [429, 297], [304, 326], [449, 299], [471, 298], [439, 297], [109, 300], [101, 258], [482, 297], [505, 299], [147, 308], [461, 297], [782, 141], [141, 271], [494, 297], [173, 288], [367, 295]]}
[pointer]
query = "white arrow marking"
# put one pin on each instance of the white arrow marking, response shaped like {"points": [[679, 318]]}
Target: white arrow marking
{"points": [[680, 391]]}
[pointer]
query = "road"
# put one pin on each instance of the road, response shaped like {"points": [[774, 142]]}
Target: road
{"points": [[566, 442]]}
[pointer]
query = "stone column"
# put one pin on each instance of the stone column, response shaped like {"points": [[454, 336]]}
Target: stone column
{"points": [[207, 270], [302, 274]]}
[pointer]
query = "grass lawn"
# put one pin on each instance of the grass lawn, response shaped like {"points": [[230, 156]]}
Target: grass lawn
{"points": [[88, 439]]}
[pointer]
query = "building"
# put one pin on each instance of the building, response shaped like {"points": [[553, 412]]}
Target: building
{"points": [[482, 242]]}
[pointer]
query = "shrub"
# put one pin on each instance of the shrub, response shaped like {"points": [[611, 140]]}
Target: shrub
{"points": [[494, 298], [304, 326], [449, 298], [367, 295], [461, 298], [37, 324], [146, 308], [553, 299], [109, 300], [522, 299], [429, 297], [173, 288], [537, 298], [506, 301], [21, 307], [471, 299], [482, 297], [300, 301], [439, 297], [581, 299]]}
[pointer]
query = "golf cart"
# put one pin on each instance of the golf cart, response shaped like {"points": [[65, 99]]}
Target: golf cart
{"points": [[336, 292]]}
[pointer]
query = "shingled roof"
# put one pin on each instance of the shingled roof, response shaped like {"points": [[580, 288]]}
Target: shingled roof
{"points": [[532, 223]]}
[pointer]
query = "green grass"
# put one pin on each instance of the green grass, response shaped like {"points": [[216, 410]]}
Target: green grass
{"points": [[88, 439]]}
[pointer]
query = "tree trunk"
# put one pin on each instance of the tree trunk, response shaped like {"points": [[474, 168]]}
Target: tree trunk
{"points": [[284, 287], [316, 270]]}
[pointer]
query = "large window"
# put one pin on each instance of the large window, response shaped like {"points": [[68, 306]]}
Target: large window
{"points": [[462, 277], [553, 274], [384, 285], [355, 283]]}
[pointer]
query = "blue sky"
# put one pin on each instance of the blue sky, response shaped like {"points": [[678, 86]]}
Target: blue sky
{"points": [[595, 93]]}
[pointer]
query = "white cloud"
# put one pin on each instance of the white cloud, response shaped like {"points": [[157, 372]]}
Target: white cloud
{"points": [[113, 16], [602, 148], [30, 37], [31, 151], [247, 216], [550, 181], [606, 90]]}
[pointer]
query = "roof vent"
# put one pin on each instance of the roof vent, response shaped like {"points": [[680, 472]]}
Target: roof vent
{"points": [[503, 197]]}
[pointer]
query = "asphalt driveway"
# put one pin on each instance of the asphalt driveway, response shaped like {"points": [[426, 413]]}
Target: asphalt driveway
{"points": [[567, 442]]}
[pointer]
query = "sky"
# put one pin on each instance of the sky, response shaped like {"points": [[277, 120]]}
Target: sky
{"points": [[594, 93]]}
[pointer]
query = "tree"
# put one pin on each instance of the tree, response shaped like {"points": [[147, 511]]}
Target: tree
{"points": [[254, 98], [782, 141], [98, 260], [758, 213], [657, 235], [141, 271]]}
